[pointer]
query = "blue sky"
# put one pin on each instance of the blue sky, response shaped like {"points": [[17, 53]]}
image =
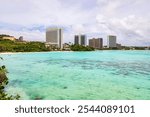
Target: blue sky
{"points": [[128, 19]]}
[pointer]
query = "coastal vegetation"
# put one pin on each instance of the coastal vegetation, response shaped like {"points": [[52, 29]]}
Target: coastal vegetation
{"points": [[3, 83], [17, 46], [81, 48]]}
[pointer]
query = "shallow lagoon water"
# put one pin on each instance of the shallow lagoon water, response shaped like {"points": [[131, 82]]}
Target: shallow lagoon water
{"points": [[79, 75]]}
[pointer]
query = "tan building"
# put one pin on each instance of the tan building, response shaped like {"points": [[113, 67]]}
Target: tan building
{"points": [[54, 38], [96, 43], [66, 47], [9, 38]]}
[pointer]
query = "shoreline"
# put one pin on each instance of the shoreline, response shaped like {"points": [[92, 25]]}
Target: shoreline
{"points": [[65, 51], [32, 52]]}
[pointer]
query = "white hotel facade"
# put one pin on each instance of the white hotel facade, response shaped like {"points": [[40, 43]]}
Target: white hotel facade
{"points": [[111, 41], [54, 37]]}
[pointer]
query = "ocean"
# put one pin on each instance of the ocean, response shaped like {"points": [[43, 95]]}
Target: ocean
{"points": [[96, 75]]}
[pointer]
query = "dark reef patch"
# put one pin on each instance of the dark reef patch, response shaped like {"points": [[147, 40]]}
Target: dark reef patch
{"points": [[87, 67], [65, 66], [137, 87], [148, 88], [15, 82], [65, 87], [37, 97], [125, 73]]}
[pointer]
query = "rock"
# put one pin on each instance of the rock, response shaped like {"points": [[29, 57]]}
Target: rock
{"points": [[3, 77]]}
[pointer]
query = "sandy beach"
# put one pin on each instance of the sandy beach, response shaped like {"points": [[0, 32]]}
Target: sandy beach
{"points": [[31, 52], [9, 52]]}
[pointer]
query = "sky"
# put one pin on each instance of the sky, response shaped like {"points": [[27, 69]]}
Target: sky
{"points": [[129, 20]]}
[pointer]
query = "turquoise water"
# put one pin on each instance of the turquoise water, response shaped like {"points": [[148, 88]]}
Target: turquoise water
{"points": [[79, 75]]}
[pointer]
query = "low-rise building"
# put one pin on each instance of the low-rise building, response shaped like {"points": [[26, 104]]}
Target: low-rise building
{"points": [[9, 38], [147, 48], [118, 46], [66, 47]]}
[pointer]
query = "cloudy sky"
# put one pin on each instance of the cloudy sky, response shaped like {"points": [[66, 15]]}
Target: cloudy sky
{"points": [[128, 19]]}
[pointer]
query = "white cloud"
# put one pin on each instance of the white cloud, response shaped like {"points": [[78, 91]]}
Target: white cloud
{"points": [[34, 35], [127, 19], [45, 12]]}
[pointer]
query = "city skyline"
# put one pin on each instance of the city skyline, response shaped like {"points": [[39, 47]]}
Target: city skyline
{"points": [[127, 19]]}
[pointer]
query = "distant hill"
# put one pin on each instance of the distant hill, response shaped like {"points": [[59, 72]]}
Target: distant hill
{"points": [[16, 46], [4, 35]]}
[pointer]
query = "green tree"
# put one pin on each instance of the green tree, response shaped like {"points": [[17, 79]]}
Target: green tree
{"points": [[3, 83], [16, 46], [81, 48]]}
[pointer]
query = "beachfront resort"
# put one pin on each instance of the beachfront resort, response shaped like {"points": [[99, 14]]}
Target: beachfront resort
{"points": [[54, 42], [74, 75]]}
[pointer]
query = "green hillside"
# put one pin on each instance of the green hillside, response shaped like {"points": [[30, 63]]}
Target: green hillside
{"points": [[16, 46]]}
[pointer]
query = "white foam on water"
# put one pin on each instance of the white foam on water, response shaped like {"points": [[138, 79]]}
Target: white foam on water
{"points": [[17, 91]]}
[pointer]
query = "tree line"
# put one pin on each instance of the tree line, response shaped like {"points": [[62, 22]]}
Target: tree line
{"points": [[16, 46], [3, 82]]}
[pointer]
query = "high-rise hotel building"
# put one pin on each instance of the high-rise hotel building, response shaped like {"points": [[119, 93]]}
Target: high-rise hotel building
{"points": [[80, 40], [54, 37], [111, 41], [96, 43]]}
